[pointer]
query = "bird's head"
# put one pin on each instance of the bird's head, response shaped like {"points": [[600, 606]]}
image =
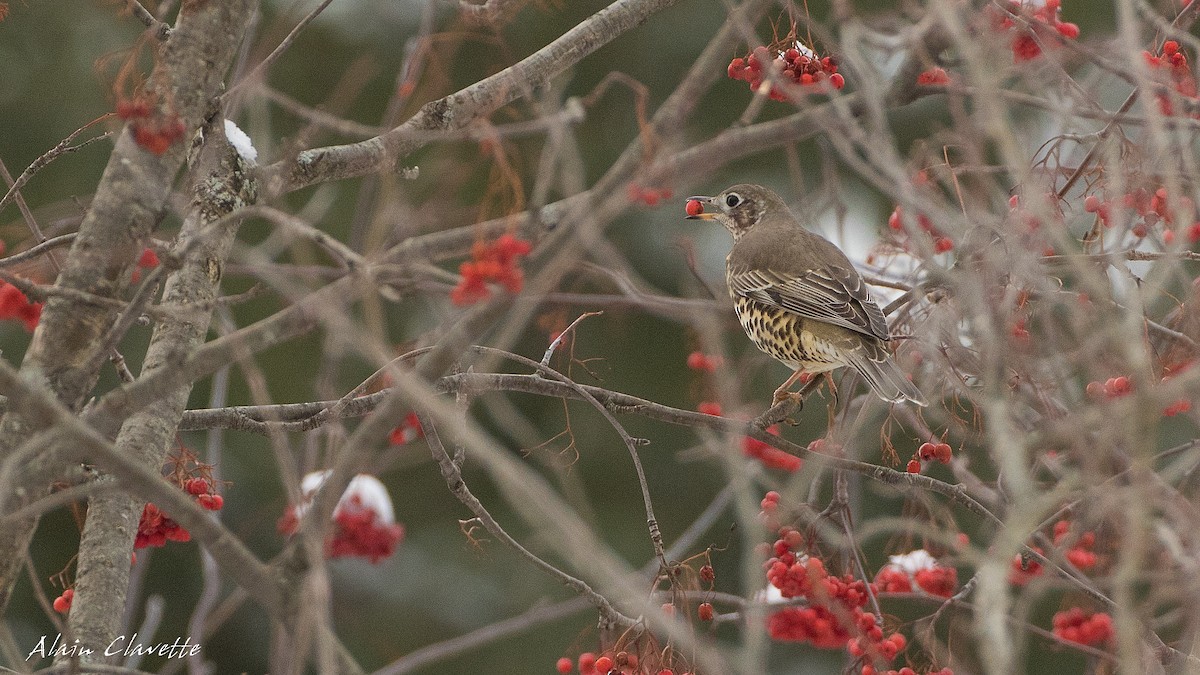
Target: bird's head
{"points": [[739, 208]]}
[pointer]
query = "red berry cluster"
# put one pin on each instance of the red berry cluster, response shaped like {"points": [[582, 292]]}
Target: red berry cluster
{"points": [[361, 532], [202, 490], [892, 579], [905, 670], [701, 362], [930, 577], [771, 457], [14, 305], [147, 261], [897, 223], [1043, 22], [933, 77], [769, 503], [496, 263], [193, 477], [1080, 553], [1113, 387], [1075, 625], [617, 662], [1023, 570], [881, 650], [928, 451], [797, 63], [1144, 210], [769, 516], [132, 109], [156, 529], [156, 135], [648, 196], [62, 604], [153, 134], [834, 617], [1079, 550], [1170, 67], [941, 581], [408, 431], [364, 522]]}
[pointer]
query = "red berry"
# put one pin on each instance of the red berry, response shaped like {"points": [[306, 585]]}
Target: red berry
{"points": [[709, 408], [933, 76], [927, 451], [837, 80], [1180, 406], [604, 664], [149, 259], [707, 573], [587, 662], [196, 486], [942, 452], [564, 665], [62, 604], [705, 611], [694, 207], [913, 466]]}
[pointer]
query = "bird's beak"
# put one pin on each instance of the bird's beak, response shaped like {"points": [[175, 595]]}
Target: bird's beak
{"points": [[702, 216]]}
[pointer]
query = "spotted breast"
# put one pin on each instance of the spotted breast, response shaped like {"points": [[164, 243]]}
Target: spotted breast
{"points": [[782, 334]]}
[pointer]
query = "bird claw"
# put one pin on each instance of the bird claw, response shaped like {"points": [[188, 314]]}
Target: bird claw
{"points": [[783, 395]]}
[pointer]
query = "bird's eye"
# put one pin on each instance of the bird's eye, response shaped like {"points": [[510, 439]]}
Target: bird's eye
{"points": [[733, 200]]}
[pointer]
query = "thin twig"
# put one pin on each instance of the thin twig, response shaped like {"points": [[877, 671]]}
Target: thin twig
{"points": [[562, 335], [452, 473], [38, 250], [160, 29], [64, 146], [259, 70]]}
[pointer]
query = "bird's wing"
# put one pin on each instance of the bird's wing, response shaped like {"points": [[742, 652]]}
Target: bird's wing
{"points": [[831, 294]]}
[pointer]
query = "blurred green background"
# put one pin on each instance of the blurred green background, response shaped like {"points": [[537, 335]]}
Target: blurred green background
{"points": [[437, 586]]}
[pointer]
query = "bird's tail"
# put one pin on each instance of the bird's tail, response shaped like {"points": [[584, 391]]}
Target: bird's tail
{"points": [[885, 377]]}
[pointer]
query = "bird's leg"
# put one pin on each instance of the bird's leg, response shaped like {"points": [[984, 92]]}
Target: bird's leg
{"points": [[782, 392], [832, 386], [833, 397]]}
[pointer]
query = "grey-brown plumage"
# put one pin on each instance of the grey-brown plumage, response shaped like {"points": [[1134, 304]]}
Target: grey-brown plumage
{"points": [[799, 298]]}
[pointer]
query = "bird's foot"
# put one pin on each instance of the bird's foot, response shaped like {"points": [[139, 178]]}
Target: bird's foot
{"points": [[784, 405], [782, 395]]}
